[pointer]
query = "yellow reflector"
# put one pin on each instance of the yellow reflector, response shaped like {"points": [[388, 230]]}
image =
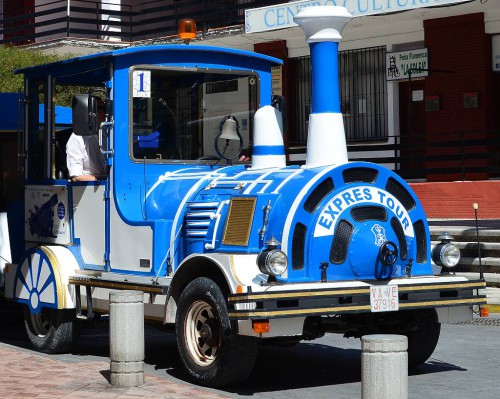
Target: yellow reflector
{"points": [[484, 312], [261, 327]]}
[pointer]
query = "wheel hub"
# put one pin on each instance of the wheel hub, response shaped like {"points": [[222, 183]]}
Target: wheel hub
{"points": [[209, 333]]}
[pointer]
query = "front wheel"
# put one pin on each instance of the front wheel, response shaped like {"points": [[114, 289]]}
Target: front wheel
{"points": [[210, 349], [423, 340], [52, 330]]}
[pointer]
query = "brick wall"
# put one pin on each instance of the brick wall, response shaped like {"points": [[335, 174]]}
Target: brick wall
{"points": [[453, 200], [460, 63]]}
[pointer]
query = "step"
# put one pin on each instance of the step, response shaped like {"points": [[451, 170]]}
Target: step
{"points": [[466, 233], [471, 264]]}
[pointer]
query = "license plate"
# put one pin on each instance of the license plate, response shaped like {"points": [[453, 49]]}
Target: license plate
{"points": [[384, 298]]}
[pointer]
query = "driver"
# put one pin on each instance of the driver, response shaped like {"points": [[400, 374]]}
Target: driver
{"points": [[83, 156]]}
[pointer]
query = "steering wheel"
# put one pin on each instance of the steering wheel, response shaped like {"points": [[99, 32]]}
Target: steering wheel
{"points": [[388, 253]]}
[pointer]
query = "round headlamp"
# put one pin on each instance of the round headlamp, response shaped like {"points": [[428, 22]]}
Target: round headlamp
{"points": [[446, 255], [272, 262]]}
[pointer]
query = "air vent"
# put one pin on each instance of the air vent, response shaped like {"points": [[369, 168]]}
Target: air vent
{"points": [[420, 239], [320, 192], [340, 242], [401, 193], [198, 217], [364, 213], [298, 246], [398, 229], [354, 175], [239, 221]]}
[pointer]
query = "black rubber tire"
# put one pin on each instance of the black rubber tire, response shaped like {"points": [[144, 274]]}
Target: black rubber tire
{"points": [[423, 340], [224, 358], [52, 331]]}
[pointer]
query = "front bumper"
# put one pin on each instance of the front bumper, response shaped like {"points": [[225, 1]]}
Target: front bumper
{"points": [[318, 299]]}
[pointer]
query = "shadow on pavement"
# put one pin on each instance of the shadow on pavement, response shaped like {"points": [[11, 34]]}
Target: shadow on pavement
{"points": [[277, 368]]}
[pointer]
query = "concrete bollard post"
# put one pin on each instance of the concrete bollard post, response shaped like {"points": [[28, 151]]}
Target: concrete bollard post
{"points": [[384, 366], [126, 338]]}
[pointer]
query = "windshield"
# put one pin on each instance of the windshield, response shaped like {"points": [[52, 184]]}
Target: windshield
{"points": [[177, 114]]}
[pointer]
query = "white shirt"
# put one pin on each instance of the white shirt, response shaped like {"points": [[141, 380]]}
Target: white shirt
{"points": [[83, 156]]}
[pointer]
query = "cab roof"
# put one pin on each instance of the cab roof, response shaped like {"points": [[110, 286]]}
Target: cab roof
{"points": [[93, 66]]}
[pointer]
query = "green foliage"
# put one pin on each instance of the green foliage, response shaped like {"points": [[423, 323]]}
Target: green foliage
{"points": [[12, 58]]}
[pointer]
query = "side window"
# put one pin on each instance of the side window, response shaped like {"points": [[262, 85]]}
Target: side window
{"points": [[177, 114], [36, 130]]}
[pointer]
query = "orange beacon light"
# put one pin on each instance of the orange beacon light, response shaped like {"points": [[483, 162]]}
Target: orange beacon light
{"points": [[187, 30]]}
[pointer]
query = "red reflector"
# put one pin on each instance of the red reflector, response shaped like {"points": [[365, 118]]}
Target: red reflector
{"points": [[260, 327], [484, 312]]}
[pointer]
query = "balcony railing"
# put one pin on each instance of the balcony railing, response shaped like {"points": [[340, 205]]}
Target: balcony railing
{"points": [[101, 20], [468, 155]]}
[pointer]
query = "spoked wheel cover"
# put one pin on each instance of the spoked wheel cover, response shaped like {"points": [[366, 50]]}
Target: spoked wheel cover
{"points": [[202, 332]]}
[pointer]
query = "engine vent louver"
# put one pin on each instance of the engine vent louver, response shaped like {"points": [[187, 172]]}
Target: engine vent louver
{"points": [[320, 192], [198, 217], [340, 242], [298, 246], [420, 239], [366, 175], [401, 193], [400, 234], [364, 213]]}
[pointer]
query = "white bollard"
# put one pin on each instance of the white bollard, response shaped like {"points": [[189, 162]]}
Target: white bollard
{"points": [[126, 338], [384, 366]]}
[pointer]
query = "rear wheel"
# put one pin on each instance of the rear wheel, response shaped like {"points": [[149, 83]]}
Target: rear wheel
{"points": [[423, 340], [52, 330], [210, 349]]}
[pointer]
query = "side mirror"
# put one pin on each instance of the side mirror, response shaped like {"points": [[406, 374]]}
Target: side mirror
{"points": [[85, 114]]}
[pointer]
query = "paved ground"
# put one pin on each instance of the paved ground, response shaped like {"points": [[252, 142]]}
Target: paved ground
{"points": [[28, 374]]}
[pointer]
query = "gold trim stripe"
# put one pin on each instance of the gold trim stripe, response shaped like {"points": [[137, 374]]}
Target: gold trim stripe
{"points": [[339, 292], [116, 285], [315, 311]]}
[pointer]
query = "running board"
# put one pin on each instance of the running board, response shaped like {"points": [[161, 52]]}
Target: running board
{"points": [[89, 281]]}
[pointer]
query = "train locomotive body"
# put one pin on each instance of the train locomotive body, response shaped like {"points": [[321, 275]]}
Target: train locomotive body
{"points": [[231, 255]]}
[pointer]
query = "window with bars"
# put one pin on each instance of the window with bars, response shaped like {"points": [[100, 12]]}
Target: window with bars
{"points": [[363, 95]]}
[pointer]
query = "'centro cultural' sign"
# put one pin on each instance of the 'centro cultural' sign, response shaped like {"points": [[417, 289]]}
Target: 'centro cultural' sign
{"points": [[280, 16]]}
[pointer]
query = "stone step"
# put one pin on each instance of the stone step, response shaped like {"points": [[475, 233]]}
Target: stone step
{"points": [[466, 233], [489, 231], [472, 264]]}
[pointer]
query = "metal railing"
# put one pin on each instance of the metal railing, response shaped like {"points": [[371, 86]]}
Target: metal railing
{"points": [[467, 155], [91, 19]]}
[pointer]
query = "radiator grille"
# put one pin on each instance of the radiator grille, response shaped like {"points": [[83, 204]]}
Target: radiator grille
{"points": [[364, 213], [398, 229], [320, 192], [420, 239], [366, 175], [298, 246], [340, 242], [403, 196], [239, 221]]}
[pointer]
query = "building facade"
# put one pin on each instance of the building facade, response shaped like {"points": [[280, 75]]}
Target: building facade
{"points": [[419, 79]]}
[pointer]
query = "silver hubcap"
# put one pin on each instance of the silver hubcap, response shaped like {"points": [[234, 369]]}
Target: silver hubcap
{"points": [[201, 330]]}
